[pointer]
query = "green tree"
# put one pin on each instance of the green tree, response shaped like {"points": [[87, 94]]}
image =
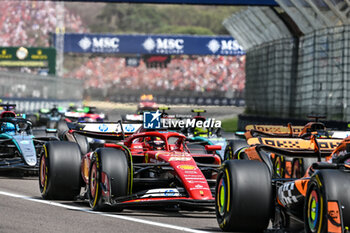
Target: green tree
{"points": [[188, 30], [168, 19]]}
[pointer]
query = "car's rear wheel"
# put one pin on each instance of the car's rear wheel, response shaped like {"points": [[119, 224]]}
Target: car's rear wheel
{"points": [[297, 168], [314, 205], [83, 143], [301, 165], [59, 171], [279, 166], [94, 191], [327, 203], [62, 126], [243, 196], [234, 149]]}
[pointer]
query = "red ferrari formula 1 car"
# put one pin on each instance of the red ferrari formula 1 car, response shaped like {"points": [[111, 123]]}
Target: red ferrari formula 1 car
{"points": [[250, 194], [150, 168]]}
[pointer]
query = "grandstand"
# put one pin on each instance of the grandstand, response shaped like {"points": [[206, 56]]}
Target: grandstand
{"points": [[30, 23], [200, 74]]}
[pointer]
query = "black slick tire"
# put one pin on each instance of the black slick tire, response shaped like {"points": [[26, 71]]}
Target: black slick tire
{"points": [[243, 199], [113, 164], [59, 171]]}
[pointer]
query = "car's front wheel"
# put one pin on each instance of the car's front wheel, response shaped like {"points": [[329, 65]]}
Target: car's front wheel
{"points": [[243, 197]]}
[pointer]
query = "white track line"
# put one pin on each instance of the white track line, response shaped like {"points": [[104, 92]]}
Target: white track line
{"points": [[158, 224]]}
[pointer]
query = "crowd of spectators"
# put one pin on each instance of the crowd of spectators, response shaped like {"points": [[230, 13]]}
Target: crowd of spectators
{"points": [[29, 23], [202, 73]]}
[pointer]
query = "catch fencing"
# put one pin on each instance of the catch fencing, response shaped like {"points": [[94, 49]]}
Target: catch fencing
{"points": [[268, 78], [300, 77]]}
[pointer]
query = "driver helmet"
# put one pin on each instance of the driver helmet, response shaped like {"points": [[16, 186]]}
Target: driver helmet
{"points": [[200, 131], [22, 126], [54, 110], [8, 128], [72, 107], [342, 149], [317, 128], [155, 143]]}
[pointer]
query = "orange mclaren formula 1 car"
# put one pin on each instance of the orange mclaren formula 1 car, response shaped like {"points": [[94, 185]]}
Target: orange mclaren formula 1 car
{"points": [[293, 167], [286, 137], [249, 194], [149, 168], [291, 131]]}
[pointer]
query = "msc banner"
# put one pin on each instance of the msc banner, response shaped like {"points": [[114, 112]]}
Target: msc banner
{"points": [[152, 44]]}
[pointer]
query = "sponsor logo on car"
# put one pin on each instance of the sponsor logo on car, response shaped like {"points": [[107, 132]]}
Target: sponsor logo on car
{"points": [[169, 192], [103, 128], [187, 167], [161, 193], [129, 128], [179, 158]]}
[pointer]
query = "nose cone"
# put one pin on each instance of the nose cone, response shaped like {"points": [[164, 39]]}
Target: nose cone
{"points": [[27, 149]]}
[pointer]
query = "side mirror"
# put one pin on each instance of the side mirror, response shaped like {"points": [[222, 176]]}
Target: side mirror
{"points": [[212, 147]]}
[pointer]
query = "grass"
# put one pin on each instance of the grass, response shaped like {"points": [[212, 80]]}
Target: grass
{"points": [[230, 125]]}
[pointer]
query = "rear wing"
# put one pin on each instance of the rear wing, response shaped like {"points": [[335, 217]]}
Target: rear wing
{"points": [[133, 117], [74, 114], [111, 130], [326, 146], [313, 148], [164, 109], [8, 107], [289, 153], [339, 134], [198, 111], [275, 129], [89, 109]]}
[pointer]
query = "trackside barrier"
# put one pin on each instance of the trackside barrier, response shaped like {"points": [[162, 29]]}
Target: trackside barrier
{"points": [[168, 97], [33, 105], [23, 85], [174, 100]]}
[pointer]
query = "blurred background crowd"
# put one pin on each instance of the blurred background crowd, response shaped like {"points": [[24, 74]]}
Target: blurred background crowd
{"points": [[199, 74], [29, 23]]}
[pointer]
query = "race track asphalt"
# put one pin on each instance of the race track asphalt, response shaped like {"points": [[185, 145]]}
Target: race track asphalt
{"points": [[23, 210]]}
